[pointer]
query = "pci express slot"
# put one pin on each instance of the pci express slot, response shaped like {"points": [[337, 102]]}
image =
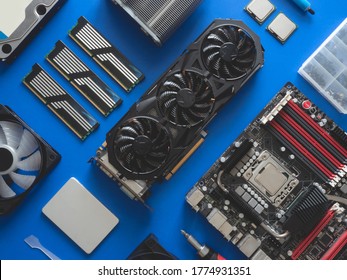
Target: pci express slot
{"points": [[309, 143], [106, 55], [60, 102], [277, 131], [308, 240], [326, 138], [336, 247], [83, 79]]}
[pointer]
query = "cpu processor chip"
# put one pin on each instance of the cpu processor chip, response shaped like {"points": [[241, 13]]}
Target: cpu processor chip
{"points": [[260, 10], [271, 178], [282, 28]]}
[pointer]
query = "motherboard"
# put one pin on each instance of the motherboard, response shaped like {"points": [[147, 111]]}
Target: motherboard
{"points": [[279, 192]]}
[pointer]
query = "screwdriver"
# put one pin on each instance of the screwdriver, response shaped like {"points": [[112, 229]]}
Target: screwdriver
{"points": [[204, 252], [304, 5]]}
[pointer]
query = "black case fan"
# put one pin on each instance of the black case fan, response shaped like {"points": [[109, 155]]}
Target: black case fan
{"points": [[24, 159], [150, 249]]}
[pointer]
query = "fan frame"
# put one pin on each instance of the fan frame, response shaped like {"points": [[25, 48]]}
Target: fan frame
{"points": [[151, 247], [244, 30], [111, 137], [50, 159], [162, 85]]}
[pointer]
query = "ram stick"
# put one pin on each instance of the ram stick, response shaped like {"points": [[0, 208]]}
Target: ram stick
{"points": [[83, 79], [60, 102], [106, 55]]}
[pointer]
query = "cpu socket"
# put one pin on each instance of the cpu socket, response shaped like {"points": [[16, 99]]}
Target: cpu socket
{"points": [[271, 178]]}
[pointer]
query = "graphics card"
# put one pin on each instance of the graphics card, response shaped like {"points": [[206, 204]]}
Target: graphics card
{"points": [[166, 125], [19, 20], [280, 190], [25, 159]]}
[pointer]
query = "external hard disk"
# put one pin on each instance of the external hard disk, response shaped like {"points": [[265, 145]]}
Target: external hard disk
{"points": [[19, 20], [80, 215]]}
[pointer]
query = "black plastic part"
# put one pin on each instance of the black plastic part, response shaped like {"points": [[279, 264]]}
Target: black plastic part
{"points": [[50, 158], [150, 249]]}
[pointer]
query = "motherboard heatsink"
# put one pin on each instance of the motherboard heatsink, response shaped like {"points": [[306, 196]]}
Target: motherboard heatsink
{"points": [[280, 190], [167, 124]]}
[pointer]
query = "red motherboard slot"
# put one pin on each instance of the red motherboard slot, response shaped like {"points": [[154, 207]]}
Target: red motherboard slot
{"points": [[321, 131], [308, 240], [313, 141], [302, 149], [336, 248]]}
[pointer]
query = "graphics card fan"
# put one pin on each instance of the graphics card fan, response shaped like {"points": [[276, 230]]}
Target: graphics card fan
{"points": [[186, 98], [25, 158], [141, 145], [229, 52]]}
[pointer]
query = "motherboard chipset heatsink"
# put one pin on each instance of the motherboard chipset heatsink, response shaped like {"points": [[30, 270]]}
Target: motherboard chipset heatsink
{"points": [[280, 190]]}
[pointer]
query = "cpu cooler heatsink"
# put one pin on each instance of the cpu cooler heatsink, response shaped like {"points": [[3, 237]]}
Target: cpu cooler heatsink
{"points": [[159, 18]]}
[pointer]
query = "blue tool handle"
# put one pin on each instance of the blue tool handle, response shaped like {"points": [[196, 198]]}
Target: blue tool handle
{"points": [[304, 5]]}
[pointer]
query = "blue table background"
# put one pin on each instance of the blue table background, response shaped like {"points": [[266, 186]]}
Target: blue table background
{"points": [[170, 211]]}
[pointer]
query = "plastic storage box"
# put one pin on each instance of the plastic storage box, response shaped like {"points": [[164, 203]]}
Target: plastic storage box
{"points": [[326, 68]]}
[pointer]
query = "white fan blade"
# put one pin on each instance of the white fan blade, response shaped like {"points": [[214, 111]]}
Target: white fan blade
{"points": [[2, 137], [5, 190], [24, 181], [32, 163], [13, 132], [27, 145]]}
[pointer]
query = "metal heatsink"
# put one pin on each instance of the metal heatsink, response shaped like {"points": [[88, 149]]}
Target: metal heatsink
{"points": [[159, 18]]}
